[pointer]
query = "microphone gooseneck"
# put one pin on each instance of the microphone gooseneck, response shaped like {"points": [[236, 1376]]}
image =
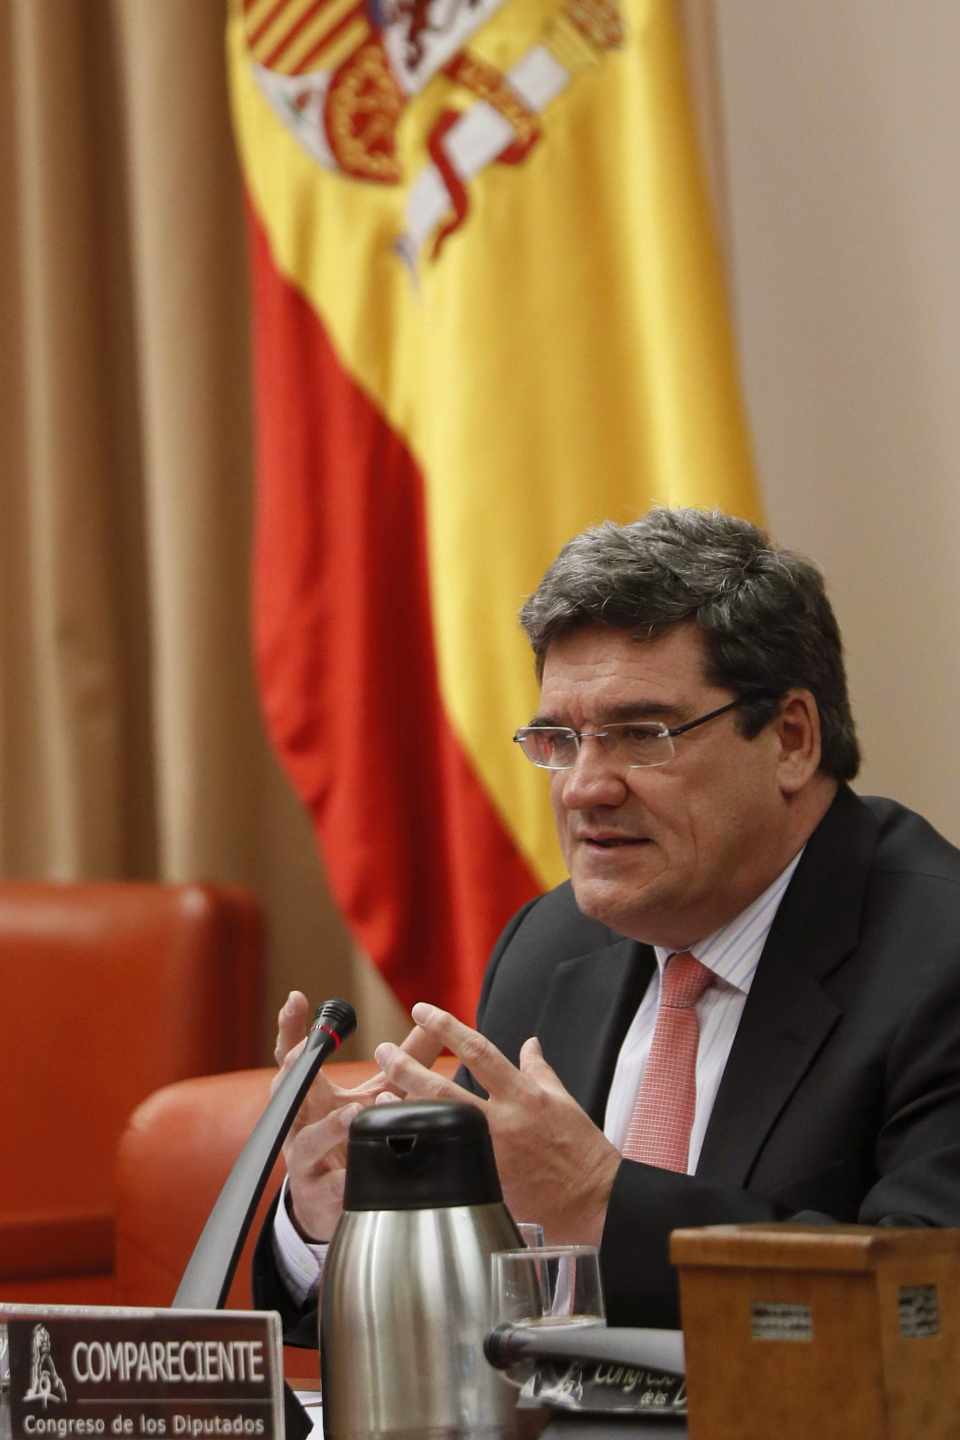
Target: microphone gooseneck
{"points": [[210, 1269], [507, 1345]]}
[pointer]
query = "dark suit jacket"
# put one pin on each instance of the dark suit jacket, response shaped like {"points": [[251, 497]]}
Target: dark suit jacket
{"points": [[841, 1096]]}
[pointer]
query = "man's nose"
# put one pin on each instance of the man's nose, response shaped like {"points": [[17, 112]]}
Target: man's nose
{"points": [[595, 778]]}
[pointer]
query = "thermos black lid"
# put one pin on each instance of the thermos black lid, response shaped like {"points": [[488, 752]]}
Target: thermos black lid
{"points": [[420, 1155]]}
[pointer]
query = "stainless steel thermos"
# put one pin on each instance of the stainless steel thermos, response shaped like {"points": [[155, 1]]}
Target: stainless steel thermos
{"points": [[406, 1285]]}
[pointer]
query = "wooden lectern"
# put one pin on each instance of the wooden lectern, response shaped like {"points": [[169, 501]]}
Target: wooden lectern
{"points": [[808, 1332]]}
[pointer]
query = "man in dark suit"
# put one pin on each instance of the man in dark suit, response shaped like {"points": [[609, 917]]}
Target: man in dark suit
{"points": [[695, 723]]}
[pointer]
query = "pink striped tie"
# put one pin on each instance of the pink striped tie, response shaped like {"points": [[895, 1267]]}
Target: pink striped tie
{"points": [[659, 1128]]}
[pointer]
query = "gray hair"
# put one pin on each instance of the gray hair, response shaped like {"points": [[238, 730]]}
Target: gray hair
{"points": [[762, 611]]}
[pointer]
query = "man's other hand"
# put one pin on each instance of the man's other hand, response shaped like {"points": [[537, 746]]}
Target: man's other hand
{"points": [[555, 1165]]}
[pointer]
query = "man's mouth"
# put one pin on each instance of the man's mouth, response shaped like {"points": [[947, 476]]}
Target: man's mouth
{"points": [[612, 842]]}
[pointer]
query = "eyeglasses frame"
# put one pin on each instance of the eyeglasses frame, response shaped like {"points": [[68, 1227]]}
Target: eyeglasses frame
{"points": [[664, 732]]}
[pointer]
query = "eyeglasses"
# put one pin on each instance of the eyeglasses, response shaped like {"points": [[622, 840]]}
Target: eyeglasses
{"points": [[631, 743]]}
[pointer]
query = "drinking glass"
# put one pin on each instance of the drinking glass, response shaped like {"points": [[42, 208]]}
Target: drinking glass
{"points": [[531, 1233], [546, 1286]]}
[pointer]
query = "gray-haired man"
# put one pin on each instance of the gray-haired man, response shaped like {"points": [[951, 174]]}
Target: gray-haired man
{"points": [[696, 734]]}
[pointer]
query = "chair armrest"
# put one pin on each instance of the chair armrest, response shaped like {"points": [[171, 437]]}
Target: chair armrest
{"points": [[176, 1152]]}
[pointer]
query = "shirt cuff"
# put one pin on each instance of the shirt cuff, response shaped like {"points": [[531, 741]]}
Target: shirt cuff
{"points": [[299, 1262]]}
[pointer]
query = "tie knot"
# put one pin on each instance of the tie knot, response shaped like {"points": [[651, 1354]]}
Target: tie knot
{"points": [[684, 981]]}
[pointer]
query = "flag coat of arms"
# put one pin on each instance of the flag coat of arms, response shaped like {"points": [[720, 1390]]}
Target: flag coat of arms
{"points": [[488, 312]]}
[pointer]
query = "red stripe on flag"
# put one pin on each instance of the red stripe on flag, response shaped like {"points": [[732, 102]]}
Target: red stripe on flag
{"points": [[422, 866], [268, 19], [328, 37], [293, 32]]}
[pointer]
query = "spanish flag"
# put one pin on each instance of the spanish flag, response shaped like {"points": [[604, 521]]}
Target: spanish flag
{"points": [[488, 312]]}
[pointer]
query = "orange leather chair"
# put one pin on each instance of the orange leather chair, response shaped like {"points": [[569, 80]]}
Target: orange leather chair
{"points": [[172, 1160], [109, 991]]}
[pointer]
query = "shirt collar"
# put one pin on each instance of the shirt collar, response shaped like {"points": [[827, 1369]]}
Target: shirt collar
{"points": [[733, 951]]}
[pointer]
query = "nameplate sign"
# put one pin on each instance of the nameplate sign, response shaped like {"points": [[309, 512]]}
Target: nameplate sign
{"points": [[602, 1388], [141, 1374]]}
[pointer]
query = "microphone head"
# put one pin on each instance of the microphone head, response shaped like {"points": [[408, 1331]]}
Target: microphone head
{"points": [[336, 1018]]}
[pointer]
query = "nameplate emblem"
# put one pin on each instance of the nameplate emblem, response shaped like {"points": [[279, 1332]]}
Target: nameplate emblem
{"points": [[141, 1374], [778, 1320]]}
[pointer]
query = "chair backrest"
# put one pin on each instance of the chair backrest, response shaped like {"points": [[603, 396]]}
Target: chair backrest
{"points": [[110, 990], [173, 1157]]}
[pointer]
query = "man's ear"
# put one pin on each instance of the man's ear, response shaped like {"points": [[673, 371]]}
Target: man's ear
{"points": [[798, 730]]}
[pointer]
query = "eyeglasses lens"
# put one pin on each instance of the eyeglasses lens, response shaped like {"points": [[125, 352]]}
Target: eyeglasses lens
{"points": [[553, 749]]}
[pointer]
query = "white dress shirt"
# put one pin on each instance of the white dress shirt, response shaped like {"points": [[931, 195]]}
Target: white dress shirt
{"points": [[732, 953]]}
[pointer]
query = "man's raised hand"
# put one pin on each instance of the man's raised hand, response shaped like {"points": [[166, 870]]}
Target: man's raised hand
{"points": [[555, 1165]]}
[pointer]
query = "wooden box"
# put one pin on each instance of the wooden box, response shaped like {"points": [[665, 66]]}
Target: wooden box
{"points": [[808, 1332]]}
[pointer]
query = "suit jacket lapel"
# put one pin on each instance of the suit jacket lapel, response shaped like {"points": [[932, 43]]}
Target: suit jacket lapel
{"points": [[588, 1010], [789, 1015]]}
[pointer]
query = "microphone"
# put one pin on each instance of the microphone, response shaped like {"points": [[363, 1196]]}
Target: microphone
{"points": [[211, 1267]]}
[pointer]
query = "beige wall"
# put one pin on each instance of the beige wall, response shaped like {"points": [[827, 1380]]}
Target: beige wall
{"points": [[840, 125]]}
